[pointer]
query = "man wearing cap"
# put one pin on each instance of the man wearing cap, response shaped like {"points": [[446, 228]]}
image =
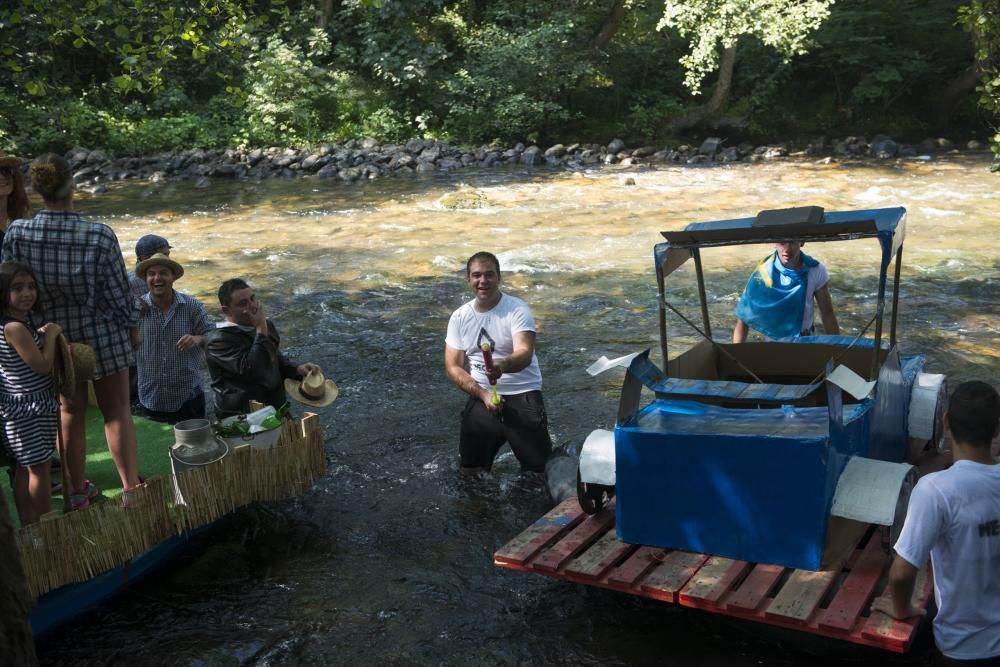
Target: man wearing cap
{"points": [[174, 328], [243, 357], [146, 247]]}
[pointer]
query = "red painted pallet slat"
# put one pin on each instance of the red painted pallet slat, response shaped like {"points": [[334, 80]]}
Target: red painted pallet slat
{"points": [[755, 588], [580, 537], [598, 559], [569, 545], [882, 628], [800, 595], [856, 592], [711, 582], [526, 546], [635, 566], [673, 572]]}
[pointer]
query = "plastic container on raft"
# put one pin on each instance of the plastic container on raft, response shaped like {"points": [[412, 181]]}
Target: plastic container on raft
{"points": [[258, 437]]}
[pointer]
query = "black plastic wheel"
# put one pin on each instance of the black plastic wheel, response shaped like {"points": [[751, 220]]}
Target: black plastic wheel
{"points": [[592, 497]]}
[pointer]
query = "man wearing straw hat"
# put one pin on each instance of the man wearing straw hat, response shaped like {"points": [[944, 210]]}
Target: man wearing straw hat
{"points": [[174, 327], [243, 356]]}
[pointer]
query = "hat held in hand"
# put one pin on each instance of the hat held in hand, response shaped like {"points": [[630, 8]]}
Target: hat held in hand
{"points": [[313, 389], [75, 363]]}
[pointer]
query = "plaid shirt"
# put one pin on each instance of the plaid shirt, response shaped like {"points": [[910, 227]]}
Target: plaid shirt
{"points": [[137, 285], [82, 282], [167, 376]]}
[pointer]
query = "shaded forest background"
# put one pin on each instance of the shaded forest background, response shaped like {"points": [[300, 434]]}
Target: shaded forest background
{"points": [[145, 76]]}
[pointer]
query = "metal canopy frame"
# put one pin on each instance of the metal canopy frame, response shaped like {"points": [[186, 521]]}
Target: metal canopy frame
{"points": [[888, 225]]}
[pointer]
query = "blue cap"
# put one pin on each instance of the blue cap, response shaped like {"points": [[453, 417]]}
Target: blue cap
{"points": [[149, 244]]}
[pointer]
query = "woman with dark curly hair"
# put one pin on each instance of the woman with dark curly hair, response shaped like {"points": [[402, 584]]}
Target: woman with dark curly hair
{"points": [[83, 286], [13, 198]]}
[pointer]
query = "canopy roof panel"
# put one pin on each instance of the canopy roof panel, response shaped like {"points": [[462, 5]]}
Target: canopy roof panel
{"points": [[834, 226], [888, 225]]}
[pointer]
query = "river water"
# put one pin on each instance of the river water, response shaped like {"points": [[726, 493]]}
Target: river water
{"points": [[389, 559]]}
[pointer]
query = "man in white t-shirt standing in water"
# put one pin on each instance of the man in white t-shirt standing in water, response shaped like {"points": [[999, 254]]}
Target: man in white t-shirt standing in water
{"points": [[954, 517], [506, 324]]}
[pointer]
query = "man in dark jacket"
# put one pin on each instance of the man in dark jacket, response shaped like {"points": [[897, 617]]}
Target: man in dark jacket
{"points": [[243, 357]]}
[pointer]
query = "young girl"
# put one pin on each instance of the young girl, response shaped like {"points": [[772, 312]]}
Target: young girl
{"points": [[29, 409]]}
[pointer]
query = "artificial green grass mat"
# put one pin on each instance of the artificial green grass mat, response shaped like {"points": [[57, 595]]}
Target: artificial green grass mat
{"points": [[154, 440]]}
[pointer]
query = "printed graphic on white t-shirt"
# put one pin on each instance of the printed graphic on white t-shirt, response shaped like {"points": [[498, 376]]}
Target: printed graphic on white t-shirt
{"points": [[954, 516], [468, 329]]}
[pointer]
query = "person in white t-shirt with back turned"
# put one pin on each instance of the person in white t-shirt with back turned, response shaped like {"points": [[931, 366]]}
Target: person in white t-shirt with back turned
{"points": [[954, 517], [515, 412]]}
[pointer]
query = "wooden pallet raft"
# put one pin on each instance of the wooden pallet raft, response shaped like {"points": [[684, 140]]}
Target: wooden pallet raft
{"points": [[568, 544]]}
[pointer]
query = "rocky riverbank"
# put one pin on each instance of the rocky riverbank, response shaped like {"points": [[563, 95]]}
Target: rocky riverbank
{"points": [[367, 159]]}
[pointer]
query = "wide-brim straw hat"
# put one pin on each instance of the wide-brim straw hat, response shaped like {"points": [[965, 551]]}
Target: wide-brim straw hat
{"points": [[75, 363], [10, 160], [63, 373], [313, 389], [159, 259], [84, 361]]}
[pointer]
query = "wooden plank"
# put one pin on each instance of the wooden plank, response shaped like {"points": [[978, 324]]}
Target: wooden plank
{"points": [[711, 582], [842, 537], [894, 634], [526, 546], [671, 574], [799, 596], [579, 538], [636, 565], [599, 558], [856, 592], [754, 588]]}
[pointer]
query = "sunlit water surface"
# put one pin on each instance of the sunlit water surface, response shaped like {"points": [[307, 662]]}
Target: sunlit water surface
{"points": [[389, 559]]}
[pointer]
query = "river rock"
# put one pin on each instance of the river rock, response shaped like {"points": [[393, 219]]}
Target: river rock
{"points": [[974, 145], [349, 174], [202, 182], [730, 154], [85, 174], [97, 157], [530, 155], [431, 153], [311, 163], [401, 160], [615, 146], [423, 167], [464, 199], [555, 151], [449, 163], [884, 148], [710, 146]]}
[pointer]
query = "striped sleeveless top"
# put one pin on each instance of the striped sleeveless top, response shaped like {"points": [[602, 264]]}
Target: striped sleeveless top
{"points": [[23, 392]]}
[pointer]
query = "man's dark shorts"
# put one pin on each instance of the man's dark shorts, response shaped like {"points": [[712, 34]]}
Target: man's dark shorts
{"points": [[522, 423], [193, 408]]}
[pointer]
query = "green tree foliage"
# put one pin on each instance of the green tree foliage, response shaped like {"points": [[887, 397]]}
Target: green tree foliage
{"points": [[713, 25], [145, 76], [981, 19]]}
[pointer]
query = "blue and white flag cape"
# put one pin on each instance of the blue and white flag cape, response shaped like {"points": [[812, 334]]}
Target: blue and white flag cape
{"points": [[774, 300]]}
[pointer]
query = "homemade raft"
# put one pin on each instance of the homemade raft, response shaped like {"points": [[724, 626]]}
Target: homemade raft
{"points": [[65, 549], [568, 544]]}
